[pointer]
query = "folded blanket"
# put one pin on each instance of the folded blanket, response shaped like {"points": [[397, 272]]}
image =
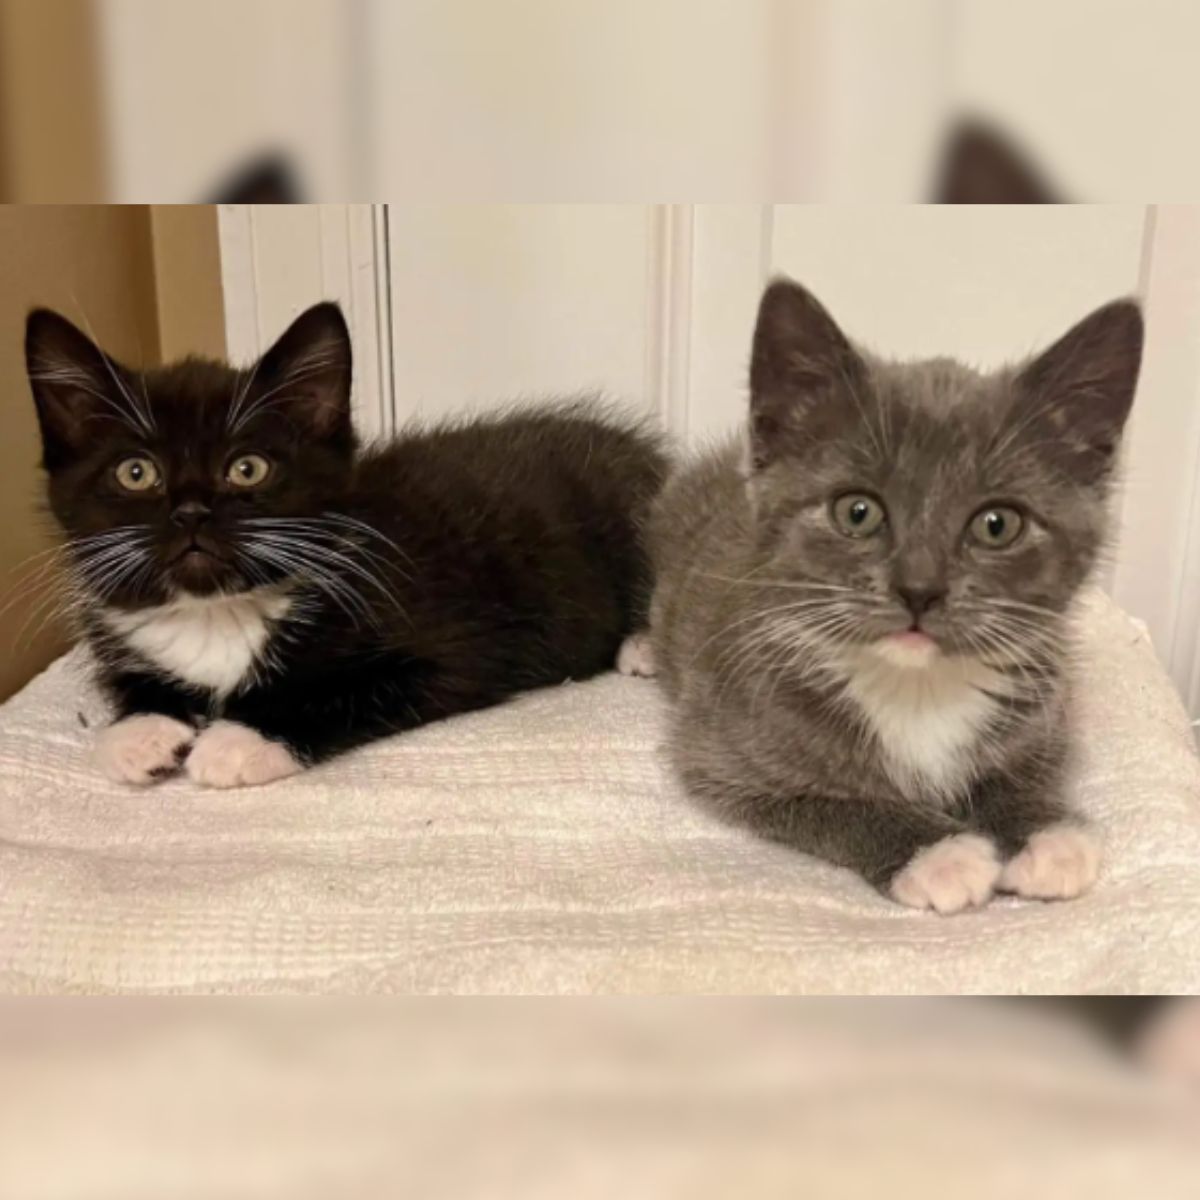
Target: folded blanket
{"points": [[544, 846]]}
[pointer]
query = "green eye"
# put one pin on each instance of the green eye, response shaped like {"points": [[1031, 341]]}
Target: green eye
{"points": [[137, 474], [996, 527], [858, 515], [248, 470]]}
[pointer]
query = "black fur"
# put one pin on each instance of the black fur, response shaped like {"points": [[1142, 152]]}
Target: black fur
{"points": [[476, 559]]}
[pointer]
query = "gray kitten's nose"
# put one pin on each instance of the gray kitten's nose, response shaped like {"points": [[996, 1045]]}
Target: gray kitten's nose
{"points": [[191, 513], [920, 598]]}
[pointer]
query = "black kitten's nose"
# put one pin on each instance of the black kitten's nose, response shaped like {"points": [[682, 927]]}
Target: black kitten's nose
{"points": [[920, 598], [190, 514]]}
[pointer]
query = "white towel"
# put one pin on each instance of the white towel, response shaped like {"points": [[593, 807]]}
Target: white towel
{"points": [[544, 846]]}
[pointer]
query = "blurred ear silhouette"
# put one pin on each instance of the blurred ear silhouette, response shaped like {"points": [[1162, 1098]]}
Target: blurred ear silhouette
{"points": [[267, 179], [981, 166]]}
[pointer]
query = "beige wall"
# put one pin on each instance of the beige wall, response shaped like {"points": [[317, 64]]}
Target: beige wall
{"points": [[187, 272], [148, 284], [52, 127]]}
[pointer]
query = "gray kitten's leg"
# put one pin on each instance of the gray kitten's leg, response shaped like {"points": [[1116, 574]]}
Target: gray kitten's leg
{"points": [[1050, 853], [920, 858]]}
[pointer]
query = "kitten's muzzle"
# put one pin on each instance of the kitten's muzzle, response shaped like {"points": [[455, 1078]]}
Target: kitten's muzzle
{"points": [[919, 599]]}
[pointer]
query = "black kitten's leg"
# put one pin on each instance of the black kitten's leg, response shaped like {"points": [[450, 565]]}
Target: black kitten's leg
{"points": [[270, 732], [155, 727], [922, 859], [1050, 854]]}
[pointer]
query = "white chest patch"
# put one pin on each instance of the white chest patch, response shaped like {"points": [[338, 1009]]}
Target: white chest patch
{"points": [[209, 641], [927, 715]]}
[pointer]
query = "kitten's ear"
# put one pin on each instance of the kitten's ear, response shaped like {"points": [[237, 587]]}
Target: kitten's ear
{"points": [[800, 359], [308, 369], [268, 179], [75, 383], [980, 166], [1082, 388]]}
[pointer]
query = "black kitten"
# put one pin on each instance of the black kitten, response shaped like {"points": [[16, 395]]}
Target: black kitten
{"points": [[261, 594]]}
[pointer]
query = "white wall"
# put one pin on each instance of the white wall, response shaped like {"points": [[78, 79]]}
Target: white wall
{"points": [[276, 260], [654, 304], [501, 301]]}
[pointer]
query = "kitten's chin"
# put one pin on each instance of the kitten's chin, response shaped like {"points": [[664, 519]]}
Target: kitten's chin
{"points": [[200, 574], [910, 649]]}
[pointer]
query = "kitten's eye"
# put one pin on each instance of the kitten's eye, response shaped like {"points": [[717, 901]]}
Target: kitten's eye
{"points": [[248, 470], [996, 527], [137, 474], [858, 515]]}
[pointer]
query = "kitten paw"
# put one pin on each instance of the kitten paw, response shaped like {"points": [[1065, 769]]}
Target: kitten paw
{"points": [[142, 749], [958, 872], [229, 755], [636, 656], [1058, 863]]}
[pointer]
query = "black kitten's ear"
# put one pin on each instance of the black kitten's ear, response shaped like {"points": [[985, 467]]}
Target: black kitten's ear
{"points": [[1080, 391], [268, 179], [980, 166], [307, 372], [75, 384], [799, 359]]}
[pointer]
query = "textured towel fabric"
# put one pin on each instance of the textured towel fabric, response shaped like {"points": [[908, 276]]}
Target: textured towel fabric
{"points": [[544, 847]]}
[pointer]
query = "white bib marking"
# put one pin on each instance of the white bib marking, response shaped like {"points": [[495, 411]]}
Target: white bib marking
{"points": [[208, 641]]}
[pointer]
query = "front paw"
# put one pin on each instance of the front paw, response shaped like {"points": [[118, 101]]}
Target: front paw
{"points": [[229, 755], [958, 872], [1058, 863], [142, 749]]}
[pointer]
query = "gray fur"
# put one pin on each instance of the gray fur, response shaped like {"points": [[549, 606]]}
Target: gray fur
{"points": [[765, 613]]}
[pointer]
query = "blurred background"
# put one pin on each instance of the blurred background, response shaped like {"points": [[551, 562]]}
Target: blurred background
{"points": [[438, 100], [659, 1100]]}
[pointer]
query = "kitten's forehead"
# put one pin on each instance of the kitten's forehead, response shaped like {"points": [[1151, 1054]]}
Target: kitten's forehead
{"points": [[194, 406], [939, 418], [920, 413], [193, 388], [938, 388]]}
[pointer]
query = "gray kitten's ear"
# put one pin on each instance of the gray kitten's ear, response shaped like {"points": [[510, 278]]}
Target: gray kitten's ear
{"points": [[305, 375], [75, 384], [1079, 392], [800, 358], [981, 166]]}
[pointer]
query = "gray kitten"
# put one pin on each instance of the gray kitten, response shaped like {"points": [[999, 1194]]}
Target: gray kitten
{"points": [[864, 626]]}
